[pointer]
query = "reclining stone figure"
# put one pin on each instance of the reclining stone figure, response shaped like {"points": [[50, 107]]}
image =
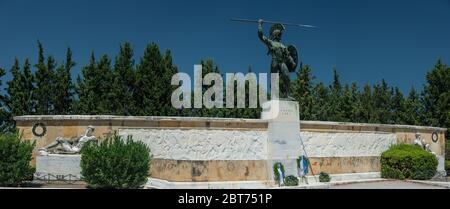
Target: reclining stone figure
{"points": [[65, 146]]}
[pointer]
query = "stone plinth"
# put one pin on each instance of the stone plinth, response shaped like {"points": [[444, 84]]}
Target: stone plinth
{"points": [[58, 167], [284, 143]]}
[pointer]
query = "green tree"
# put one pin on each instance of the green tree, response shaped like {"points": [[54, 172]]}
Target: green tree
{"points": [[93, 87], [354, 100], [365, 105], [336, 112], [44, 83], [208, 66], [321, 101], [3, 111], [347, 104], [413, 108], [398, 107], [153, 90], [436, 96], [20, 90], [63, 101], [302, 91], [382, 103], [124, 81]]}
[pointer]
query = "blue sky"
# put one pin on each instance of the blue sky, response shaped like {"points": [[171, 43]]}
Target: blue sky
{"points": [[366, 40]]}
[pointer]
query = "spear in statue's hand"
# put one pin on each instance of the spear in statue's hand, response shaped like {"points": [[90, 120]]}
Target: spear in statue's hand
{"points": [[271, 22]]}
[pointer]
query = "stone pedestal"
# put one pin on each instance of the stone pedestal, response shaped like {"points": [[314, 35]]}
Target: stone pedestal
{"points": [[284, 143], [61, 167]]}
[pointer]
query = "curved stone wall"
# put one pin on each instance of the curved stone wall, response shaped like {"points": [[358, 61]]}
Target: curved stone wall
{"points": [[219, 149]]}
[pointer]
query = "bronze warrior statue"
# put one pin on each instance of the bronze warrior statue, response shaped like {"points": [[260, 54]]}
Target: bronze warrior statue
{"points": [[284, 59]]}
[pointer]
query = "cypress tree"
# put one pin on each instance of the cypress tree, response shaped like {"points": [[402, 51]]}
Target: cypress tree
{"points": [[94, 87], [365, 106], [336, 100], [398, 107], [63, 86], [44, 83], [20, 90], [149, 89], [4, 116], [413, 108], [382, 103], [302, 91], [436, 96], [321, 103], [169, 69], [124, 81], [86, 88]]}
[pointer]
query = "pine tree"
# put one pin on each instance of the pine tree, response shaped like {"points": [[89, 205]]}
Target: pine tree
{"points": [[382, 103], [169, 69], [321, 104], [149, 89], [355, 96], [44, 83], [436, 96], [346, 104], [302, 91], [208, 66], [20, 90], [365, 105], [413, 108], [86, 89], [124, 81], [94, 87], [4, 116], [63, 86], [398, 109], [336, 100]]}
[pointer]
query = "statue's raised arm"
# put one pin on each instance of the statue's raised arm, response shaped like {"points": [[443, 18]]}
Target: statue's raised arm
{"points": [[261, 36]]}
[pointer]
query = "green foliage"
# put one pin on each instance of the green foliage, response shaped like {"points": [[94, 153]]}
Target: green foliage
{"points": [[405, 161], [153, 83], [115, 163], [324, 177], [291, 180], [15, 157], [4, 114], [275, 170], [45, 80], [436, 96], [302, 91], [91, 87], [447, 165], [124, 81], [63, 101]]}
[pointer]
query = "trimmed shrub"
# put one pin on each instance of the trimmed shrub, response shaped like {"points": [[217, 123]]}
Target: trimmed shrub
{"points": [[291, 180], [15, 157], [406, 161], [324, 177], [115, 163]]}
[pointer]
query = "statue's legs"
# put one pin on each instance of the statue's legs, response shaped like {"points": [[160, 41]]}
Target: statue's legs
{"points": [[284, 81]]}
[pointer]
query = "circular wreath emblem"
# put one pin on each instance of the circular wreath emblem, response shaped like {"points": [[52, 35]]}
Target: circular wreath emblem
{"points": [[434, 137], [41, 128]]}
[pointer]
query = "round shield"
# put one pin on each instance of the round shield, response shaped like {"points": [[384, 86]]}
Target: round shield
{"points": [[294, 54]]}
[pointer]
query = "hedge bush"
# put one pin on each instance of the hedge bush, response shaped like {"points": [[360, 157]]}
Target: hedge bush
{"points": [[405, 161], [15, 157], [115, 163], [324, 177], [291, 180]]}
